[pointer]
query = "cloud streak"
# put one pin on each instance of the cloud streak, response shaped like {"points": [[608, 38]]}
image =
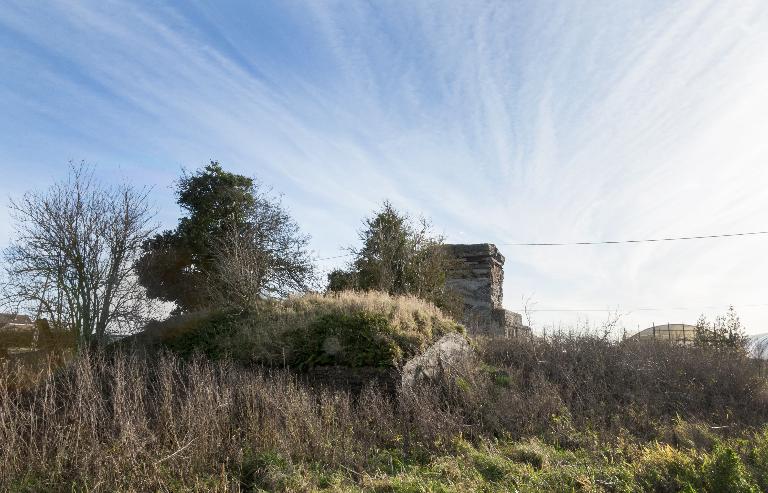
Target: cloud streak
{"points": [[503, 121]]}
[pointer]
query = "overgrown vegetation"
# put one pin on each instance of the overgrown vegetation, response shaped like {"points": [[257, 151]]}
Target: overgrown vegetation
{"points": [[224, 394], [725, 331], [633, 384], [350, 329], [569, 413], [399, 257]]}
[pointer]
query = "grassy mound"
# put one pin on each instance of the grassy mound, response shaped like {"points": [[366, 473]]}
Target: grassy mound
{"points": [[350, 329]]}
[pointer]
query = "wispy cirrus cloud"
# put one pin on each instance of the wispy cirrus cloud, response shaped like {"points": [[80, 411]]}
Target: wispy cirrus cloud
{"points": [[503, 121]]}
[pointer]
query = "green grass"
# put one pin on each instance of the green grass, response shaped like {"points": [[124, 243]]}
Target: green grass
{"points": [[499, 466], [537, 467]]}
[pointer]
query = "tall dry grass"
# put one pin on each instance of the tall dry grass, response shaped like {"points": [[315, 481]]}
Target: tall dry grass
{"points": [[156, 422], [638, 385], [134, 422]]}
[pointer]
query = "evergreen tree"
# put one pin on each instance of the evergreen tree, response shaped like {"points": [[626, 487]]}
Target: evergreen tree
{"points": [[399, 257], [184, 265]]}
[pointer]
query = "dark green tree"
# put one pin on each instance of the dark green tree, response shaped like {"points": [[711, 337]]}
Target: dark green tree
{"points": [[399, 256], [233, 235]]}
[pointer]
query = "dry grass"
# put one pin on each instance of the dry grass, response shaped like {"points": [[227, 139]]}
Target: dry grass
{"points": [[124, 421], [637, 385], [406, 313]]}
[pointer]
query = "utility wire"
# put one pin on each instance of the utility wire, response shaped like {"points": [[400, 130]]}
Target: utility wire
{"points": [[335, 256], [607, 242], [648, 240], [641, 309], [612, 242]]}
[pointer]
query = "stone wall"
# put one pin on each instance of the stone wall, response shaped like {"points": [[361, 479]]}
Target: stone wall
{"points": [[478, 278]]}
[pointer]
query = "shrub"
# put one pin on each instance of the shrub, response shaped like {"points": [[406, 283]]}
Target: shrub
{"points": [[759, 458], [635, 385], [208, 333], [400, 257], [574, 389], [134, 422], [360, 339], [725, 331], [726, 472]]}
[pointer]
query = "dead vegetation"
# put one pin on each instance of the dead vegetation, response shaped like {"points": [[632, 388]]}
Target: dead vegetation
{"points": [[125, 421]]}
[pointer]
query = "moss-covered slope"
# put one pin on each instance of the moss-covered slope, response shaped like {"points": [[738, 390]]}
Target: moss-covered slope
{"points": [[349, 329]]}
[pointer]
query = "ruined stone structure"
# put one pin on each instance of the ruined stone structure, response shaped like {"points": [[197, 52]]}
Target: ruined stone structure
{"points": [[478, 279]]}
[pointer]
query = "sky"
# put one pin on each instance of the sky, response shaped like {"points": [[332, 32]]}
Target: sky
{"points": [[501, 121]]}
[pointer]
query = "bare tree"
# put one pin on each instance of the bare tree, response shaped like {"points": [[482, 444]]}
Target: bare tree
{"points": [[71, 259], [266, 257]]}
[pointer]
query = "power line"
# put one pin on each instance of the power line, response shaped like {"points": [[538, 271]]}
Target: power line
{"points": [[606, 242], [647, 240], [335, 256], [640, 309]]}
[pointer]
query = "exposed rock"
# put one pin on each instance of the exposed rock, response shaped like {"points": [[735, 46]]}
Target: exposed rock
{"points": [[443, 354], [332, 346]]}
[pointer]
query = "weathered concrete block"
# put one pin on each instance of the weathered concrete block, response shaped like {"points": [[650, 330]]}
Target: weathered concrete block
{"points": [[478, 279]]}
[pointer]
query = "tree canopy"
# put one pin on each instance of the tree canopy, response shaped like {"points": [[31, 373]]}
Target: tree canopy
{"points": [[725, 331], [234, 235]]}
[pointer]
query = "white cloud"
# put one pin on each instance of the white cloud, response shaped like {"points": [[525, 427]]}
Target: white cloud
{"points": [[503, 121]]}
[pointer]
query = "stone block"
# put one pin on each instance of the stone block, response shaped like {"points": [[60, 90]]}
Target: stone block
{"points": [[478, 278]]}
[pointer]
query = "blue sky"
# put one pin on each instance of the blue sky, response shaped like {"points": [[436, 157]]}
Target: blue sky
{"points": [[502, 121]]}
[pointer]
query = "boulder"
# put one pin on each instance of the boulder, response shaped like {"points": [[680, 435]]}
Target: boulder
{"points": [[442, 355]]}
